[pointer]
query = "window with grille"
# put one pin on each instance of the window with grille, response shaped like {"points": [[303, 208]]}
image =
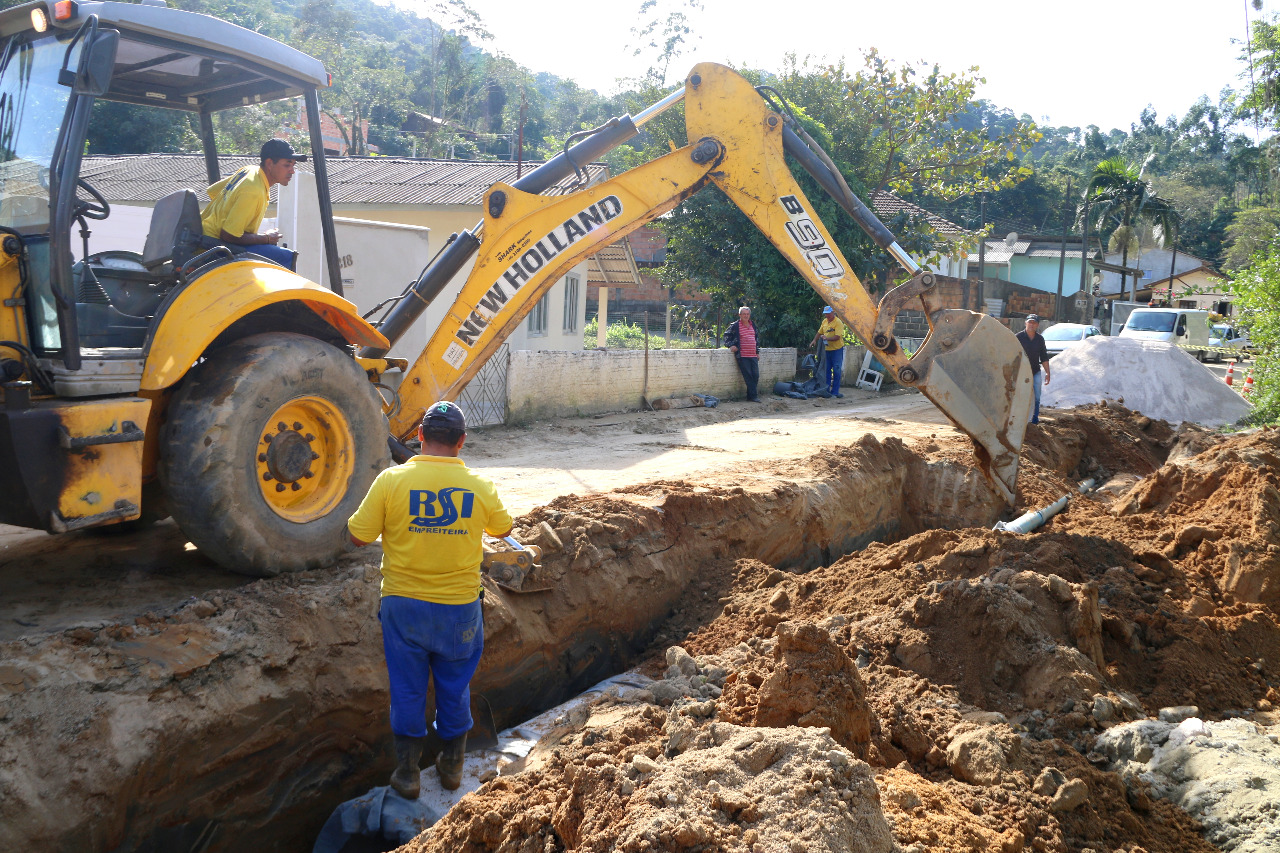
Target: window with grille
{"points": [[538, 317], [570, 304]]}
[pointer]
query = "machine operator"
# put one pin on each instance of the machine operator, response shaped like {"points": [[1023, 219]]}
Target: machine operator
{"points": [[239, 201]]}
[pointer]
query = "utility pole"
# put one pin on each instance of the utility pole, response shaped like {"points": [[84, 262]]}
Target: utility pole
{"points": [[1084, 255], [982, 244], [1062, 258]]}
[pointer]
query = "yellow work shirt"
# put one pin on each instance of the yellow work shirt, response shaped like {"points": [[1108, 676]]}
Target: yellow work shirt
{"points": [[832, 326], [237, 203], [430, 512]]}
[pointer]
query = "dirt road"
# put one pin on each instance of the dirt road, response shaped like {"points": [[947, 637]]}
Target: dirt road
{"points": [[55, 583]]}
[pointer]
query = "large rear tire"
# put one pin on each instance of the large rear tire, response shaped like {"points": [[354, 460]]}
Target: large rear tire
{"points": [[271, 444]]}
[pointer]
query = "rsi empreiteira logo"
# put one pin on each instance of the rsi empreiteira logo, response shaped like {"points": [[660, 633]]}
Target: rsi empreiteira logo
{"points": [[432, 509]]}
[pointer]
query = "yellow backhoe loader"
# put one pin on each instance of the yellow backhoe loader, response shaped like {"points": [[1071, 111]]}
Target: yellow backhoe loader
{"points": [[238, 397]]}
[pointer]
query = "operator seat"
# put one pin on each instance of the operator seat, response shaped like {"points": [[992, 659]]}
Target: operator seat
{"points": [[175, 233]]}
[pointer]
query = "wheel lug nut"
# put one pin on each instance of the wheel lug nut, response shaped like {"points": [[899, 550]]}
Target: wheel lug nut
{"points": [[279, 487], [262, 457], [296, 485], [297, 426], [282, 426], [309, 437], [267, 438], [315, 456], [267, 476], [308, 475]]}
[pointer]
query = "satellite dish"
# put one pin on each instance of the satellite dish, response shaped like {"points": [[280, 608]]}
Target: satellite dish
{"points": [[1011, 238]]}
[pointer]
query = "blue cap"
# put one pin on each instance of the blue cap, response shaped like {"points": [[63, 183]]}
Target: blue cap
{"points": [[828, 310], [444, 415]]}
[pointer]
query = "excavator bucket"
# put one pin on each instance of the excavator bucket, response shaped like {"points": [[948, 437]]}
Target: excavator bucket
{"points": [[977, 374]]}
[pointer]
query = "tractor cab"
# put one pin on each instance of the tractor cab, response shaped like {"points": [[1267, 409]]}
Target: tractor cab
{"points": [[85, 326]]}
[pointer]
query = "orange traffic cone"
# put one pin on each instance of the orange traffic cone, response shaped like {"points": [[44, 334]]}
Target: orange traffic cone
{"points": [[1231, 373], [1248, 383]]}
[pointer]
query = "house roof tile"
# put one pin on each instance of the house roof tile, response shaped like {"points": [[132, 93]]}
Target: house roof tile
{"points": [[886, 205], [352, 180]]}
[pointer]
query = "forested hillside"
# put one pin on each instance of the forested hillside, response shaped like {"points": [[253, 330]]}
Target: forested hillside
{"points": [[430, 88]]}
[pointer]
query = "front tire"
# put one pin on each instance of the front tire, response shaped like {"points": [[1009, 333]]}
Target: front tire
{"points": [[271, 444]]}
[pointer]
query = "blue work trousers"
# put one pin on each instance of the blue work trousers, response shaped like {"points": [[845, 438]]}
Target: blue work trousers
{"points": [[835, 369], [1037, 382], [423, 640]]}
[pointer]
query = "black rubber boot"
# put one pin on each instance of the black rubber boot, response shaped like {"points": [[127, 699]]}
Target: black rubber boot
{"points": [[449, 763], [406, 778], [435, 743]]}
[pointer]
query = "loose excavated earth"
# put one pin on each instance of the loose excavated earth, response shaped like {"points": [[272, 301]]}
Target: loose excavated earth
{"points": [[863, 665], [970, 672]]}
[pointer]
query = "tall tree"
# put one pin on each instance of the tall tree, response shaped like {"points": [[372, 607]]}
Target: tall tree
{"points": [[1123, 198]]}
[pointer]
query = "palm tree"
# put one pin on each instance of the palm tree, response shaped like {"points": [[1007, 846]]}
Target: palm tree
{"points": [[1123, 195]]}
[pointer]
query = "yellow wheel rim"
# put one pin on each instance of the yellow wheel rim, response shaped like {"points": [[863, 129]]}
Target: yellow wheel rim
{"points": [[304, 459]]}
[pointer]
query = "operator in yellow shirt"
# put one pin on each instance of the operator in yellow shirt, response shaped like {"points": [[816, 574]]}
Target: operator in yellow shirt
{"points": [[430, 513], [832, 332], [238, 202]]}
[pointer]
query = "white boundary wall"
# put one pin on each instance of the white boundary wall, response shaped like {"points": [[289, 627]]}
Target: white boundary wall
{"points": [[557, 384]]}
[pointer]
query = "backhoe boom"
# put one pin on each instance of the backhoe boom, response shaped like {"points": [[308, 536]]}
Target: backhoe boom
{"points": [[970, 366]]}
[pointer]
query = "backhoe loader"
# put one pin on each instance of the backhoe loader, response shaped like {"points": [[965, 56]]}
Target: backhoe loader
{"points": [[239, 397]]}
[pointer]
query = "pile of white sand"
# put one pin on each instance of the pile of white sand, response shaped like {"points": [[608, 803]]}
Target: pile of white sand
{"points": [[1157, 379]]}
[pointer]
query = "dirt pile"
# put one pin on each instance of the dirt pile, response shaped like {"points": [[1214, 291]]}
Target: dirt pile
{"points": [[279, 687], [973, 671], [1226, 774]]}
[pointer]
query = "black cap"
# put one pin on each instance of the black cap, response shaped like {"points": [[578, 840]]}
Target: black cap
{"points": [[279, 149], [1032, 318], [444, 415]]}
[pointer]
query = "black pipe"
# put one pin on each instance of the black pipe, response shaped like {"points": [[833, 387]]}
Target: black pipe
{"points": [[810, 162], [208, 142], [321, 171], [453, 258], [428, 287]]}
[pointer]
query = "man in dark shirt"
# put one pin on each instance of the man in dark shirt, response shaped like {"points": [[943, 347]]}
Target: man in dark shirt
{"points": [[1033, 346]]}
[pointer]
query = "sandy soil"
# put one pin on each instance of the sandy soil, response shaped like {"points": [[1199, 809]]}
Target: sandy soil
{"points": [[855, 644], [117, 577], [970, 672]]}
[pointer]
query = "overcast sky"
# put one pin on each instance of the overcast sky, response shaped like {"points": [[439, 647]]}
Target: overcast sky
{"points": [[1085, 62]]}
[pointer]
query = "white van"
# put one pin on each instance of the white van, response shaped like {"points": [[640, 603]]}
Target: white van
{"points": [[1185, 327]]}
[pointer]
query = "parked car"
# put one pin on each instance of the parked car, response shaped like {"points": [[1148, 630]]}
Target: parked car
{"points": [[1062, 336], [1228, 336]]}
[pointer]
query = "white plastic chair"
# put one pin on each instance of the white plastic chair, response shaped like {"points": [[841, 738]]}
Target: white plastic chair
{"points": [[868, 379]]}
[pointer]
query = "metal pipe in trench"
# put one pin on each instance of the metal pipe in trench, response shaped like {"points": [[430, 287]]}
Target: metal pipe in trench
{"points": [[1028, 522]]}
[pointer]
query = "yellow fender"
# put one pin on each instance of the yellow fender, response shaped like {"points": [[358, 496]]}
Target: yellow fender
{"points": [[208, 306]]}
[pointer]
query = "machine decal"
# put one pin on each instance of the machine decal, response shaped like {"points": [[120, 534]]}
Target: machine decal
{"points": [[455, 355], [534, 258], [807, 236]]}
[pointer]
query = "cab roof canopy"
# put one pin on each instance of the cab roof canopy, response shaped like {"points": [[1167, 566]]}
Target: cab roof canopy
{"points": [[184, 60]]}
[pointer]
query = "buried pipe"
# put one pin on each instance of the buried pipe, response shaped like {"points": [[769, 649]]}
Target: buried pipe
{"points": [[1028, 522]]}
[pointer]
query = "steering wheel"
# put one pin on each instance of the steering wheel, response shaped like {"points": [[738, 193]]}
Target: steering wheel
{"points": [[97, 208]]}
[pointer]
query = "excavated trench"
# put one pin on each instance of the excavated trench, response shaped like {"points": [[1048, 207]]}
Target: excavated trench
{"points": [[238, 721]]}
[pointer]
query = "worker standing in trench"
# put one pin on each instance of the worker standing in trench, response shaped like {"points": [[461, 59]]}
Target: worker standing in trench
{"points": [[430, 513]]}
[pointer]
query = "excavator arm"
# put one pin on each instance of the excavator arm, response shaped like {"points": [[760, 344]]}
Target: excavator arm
{"points": [[970, 365], [530, 241]]}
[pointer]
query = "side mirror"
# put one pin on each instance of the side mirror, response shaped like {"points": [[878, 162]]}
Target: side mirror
{"points": [[97, 59], [1182, 327], [94, 75]]}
